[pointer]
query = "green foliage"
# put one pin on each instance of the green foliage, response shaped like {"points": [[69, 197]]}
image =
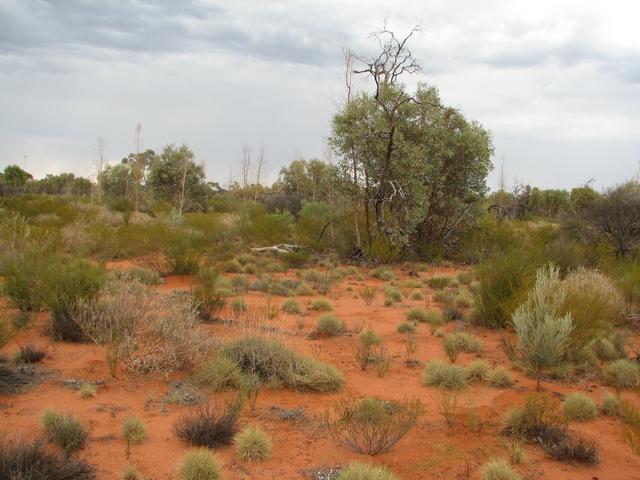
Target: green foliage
{"points": [[382, 250], [143, 275], [26, 459], [328, 326], [364, 348], [416, 315], [440, 374], [87, 390], [498, 469], [371, 425], [65, 431], [131, 473], [499, 377], [320, 305], [200, 464], [133, 432], [579, 407], [438, 283], [477, 371], [273, 363], [238, 306], [25, 277], [621, 374], [70, 280], [611, 405], [220, 373], [594, 303], [504, 280], [406, 327], [252, 444], [384, 274], [260, 228], [391, 295], [451, 347], [365, 471], [292, 307], [367, 294], [465, 278], [543, 334], [28, 354]]}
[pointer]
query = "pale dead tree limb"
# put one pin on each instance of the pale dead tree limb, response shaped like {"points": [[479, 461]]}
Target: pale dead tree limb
{"points": [[183, 183], [282, 248], [258, 172], [100, 167], [245, 166]]}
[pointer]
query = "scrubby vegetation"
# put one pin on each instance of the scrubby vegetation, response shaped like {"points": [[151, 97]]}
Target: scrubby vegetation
{"points": [[371, 425], [200, 464], [66, 431], [209, 425], [252, 444], [365, 471]]}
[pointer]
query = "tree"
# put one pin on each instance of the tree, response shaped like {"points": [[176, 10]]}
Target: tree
{"points": [[543, 334], [115, 180], [15, 176], [418, 167], [615, 217], [175, 177]]}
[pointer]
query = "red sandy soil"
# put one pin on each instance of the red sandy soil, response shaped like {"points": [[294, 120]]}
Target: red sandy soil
{"points": [[432, 450]]}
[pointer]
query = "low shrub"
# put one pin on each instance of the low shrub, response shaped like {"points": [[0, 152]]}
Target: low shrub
{"points": [[88, 390], [579, 407], [465, 278], [209, 426], [451, 347], [406, 327], [438, 283], [143, 275], [477, 371], [219, 373], [611, 405], [292, 307], [595, 304], [200, 464], [364, 349], [416, 315], [328, 326], [320, 305], [499, 377], [252, 444], [25, 459], [463, 300], [365, 471], [417, 296], [384, 274], [367, 294], [621, 374], [391, 295], [273, 363], [371, 425], [498, 469], [238, 306], [131, 473], [133, 432], [66, 431], [440, 374], [460, 342], [29, 354]]}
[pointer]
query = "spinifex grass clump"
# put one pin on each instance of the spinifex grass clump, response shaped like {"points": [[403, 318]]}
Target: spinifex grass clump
{"points": [[320, 305], [133, 432], [498, 469], [24, 459], [579, 407], [252, 444], [65, 431], [200, 464], [365, 346], [327, 326], [273, 363], [365, 471], [441, 374], [367, 294], [209, 426], [371, 425]]}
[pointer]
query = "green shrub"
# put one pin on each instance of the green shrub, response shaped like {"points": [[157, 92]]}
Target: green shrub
{"points": [[88, 390], [595, 305], [417, 296], [579, 407], [25, 277], [497, 469], [384, 274], [208, 426], [65, 431], [273, 363], [463, 300], [467, 342], [604, 349], [451, 347], [611, 405], [238, 306], [364, 350], [440, 374], [444, 297], [292, 307], [328, 326], [504, 280], [392, 295], [181, 252], [28, 354], [133, 432], [621, 374], [131, 473], [543, 334], [367, 294], [416, 315], [143, 275], [499, 377], [200, 464], [25, 459], [438, 283], [406, 327], [321, 305], [219, 373], [240, 284], [365, 471], [477, 371], [252, 444], [70, 281], [371, 425]]}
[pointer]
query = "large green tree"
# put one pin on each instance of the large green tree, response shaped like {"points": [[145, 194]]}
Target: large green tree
{"points": [[175, 177]]}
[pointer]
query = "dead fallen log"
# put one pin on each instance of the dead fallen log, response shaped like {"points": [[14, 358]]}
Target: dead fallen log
{"points": [[280, 249]]}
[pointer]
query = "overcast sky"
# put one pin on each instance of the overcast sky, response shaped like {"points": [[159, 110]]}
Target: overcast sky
{"points": [[556, 81]]}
